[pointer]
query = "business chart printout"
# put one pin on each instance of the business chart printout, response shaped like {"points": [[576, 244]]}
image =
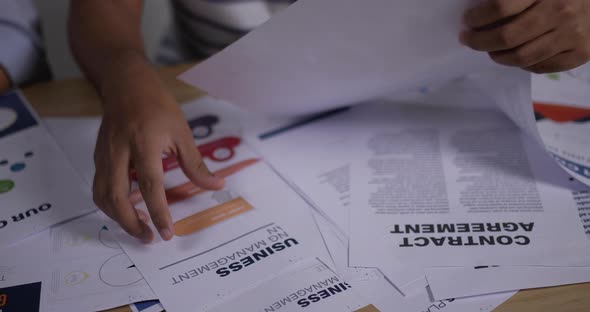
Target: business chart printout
{"points": [[38, 186]]}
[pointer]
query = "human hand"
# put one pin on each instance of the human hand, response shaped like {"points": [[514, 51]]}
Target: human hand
{"points": [[540, 36], [141, 122]]}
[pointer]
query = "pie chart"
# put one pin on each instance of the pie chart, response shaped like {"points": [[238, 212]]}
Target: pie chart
{"points": [[119, 271]]}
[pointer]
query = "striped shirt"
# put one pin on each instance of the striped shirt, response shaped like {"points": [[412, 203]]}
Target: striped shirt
{"points": [[22, 54], [204, 27]]}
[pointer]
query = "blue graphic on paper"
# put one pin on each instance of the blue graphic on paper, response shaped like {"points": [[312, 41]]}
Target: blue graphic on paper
{"points": [[14, 115], [21, 298], [147, 305], [576, 168]]}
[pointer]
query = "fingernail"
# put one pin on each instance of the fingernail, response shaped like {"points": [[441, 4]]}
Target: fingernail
{"points": [[166, 234], [147, 235], [143, 217]]}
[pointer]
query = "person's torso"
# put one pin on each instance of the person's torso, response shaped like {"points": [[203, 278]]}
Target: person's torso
{"points": [[209, 26]]}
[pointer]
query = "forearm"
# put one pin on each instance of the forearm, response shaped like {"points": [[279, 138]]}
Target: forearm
{"points": [[106, 40], [4, 81]]}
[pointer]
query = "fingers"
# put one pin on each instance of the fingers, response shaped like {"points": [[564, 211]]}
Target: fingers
{"points": [[523, 28], [531, 53], [493, 11], [194, 168], [135, 197], [111, 191], [561, 62], [150, 177]]}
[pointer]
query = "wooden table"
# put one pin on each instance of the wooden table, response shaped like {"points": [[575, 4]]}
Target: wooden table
{"points": [[76, 97]]}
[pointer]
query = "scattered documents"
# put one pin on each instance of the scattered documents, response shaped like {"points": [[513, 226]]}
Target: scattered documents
{"points": [[370, 284], [406, 173]]}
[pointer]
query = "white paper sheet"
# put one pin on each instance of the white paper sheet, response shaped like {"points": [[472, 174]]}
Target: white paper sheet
{"points": [[374, 287], [80, 266], [38, 187], [229, 240], [321, 54], [369, 283], [508, 201], [315, 154], [222, 258], [445, 283], [310, 286], [419, 298], [314, 157], [89, 270]]}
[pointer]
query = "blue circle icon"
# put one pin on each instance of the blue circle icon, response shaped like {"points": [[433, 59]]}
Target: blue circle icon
{"points": [[19, 166]]}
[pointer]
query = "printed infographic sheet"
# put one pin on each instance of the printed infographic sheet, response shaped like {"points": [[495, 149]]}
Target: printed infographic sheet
{"points": [[30, 165], [229, 240], [21, 289], [562, 111], [310, 286], [80, 266]]}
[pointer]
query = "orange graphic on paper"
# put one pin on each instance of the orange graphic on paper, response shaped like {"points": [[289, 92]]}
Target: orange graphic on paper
{"points": [[188, 189], [211, 216], [369, 308], [560, 113]]}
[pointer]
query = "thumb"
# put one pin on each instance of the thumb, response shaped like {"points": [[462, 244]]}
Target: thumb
{"points": [[194, 167]]}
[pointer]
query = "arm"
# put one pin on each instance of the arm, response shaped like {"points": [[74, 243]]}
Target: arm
{"points": [[4, 81], [141, 118], [540, 36]]}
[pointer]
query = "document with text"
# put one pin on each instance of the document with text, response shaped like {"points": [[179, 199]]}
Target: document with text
{"points": [[448, 189]]}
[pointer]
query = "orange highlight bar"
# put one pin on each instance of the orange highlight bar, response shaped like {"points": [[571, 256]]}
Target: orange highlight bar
{"points": [[211, 216], [369, 308], [560, 113], [188, 190]]}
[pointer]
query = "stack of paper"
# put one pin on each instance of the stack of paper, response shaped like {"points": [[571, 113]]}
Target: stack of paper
{"points": [[229, 262]]}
